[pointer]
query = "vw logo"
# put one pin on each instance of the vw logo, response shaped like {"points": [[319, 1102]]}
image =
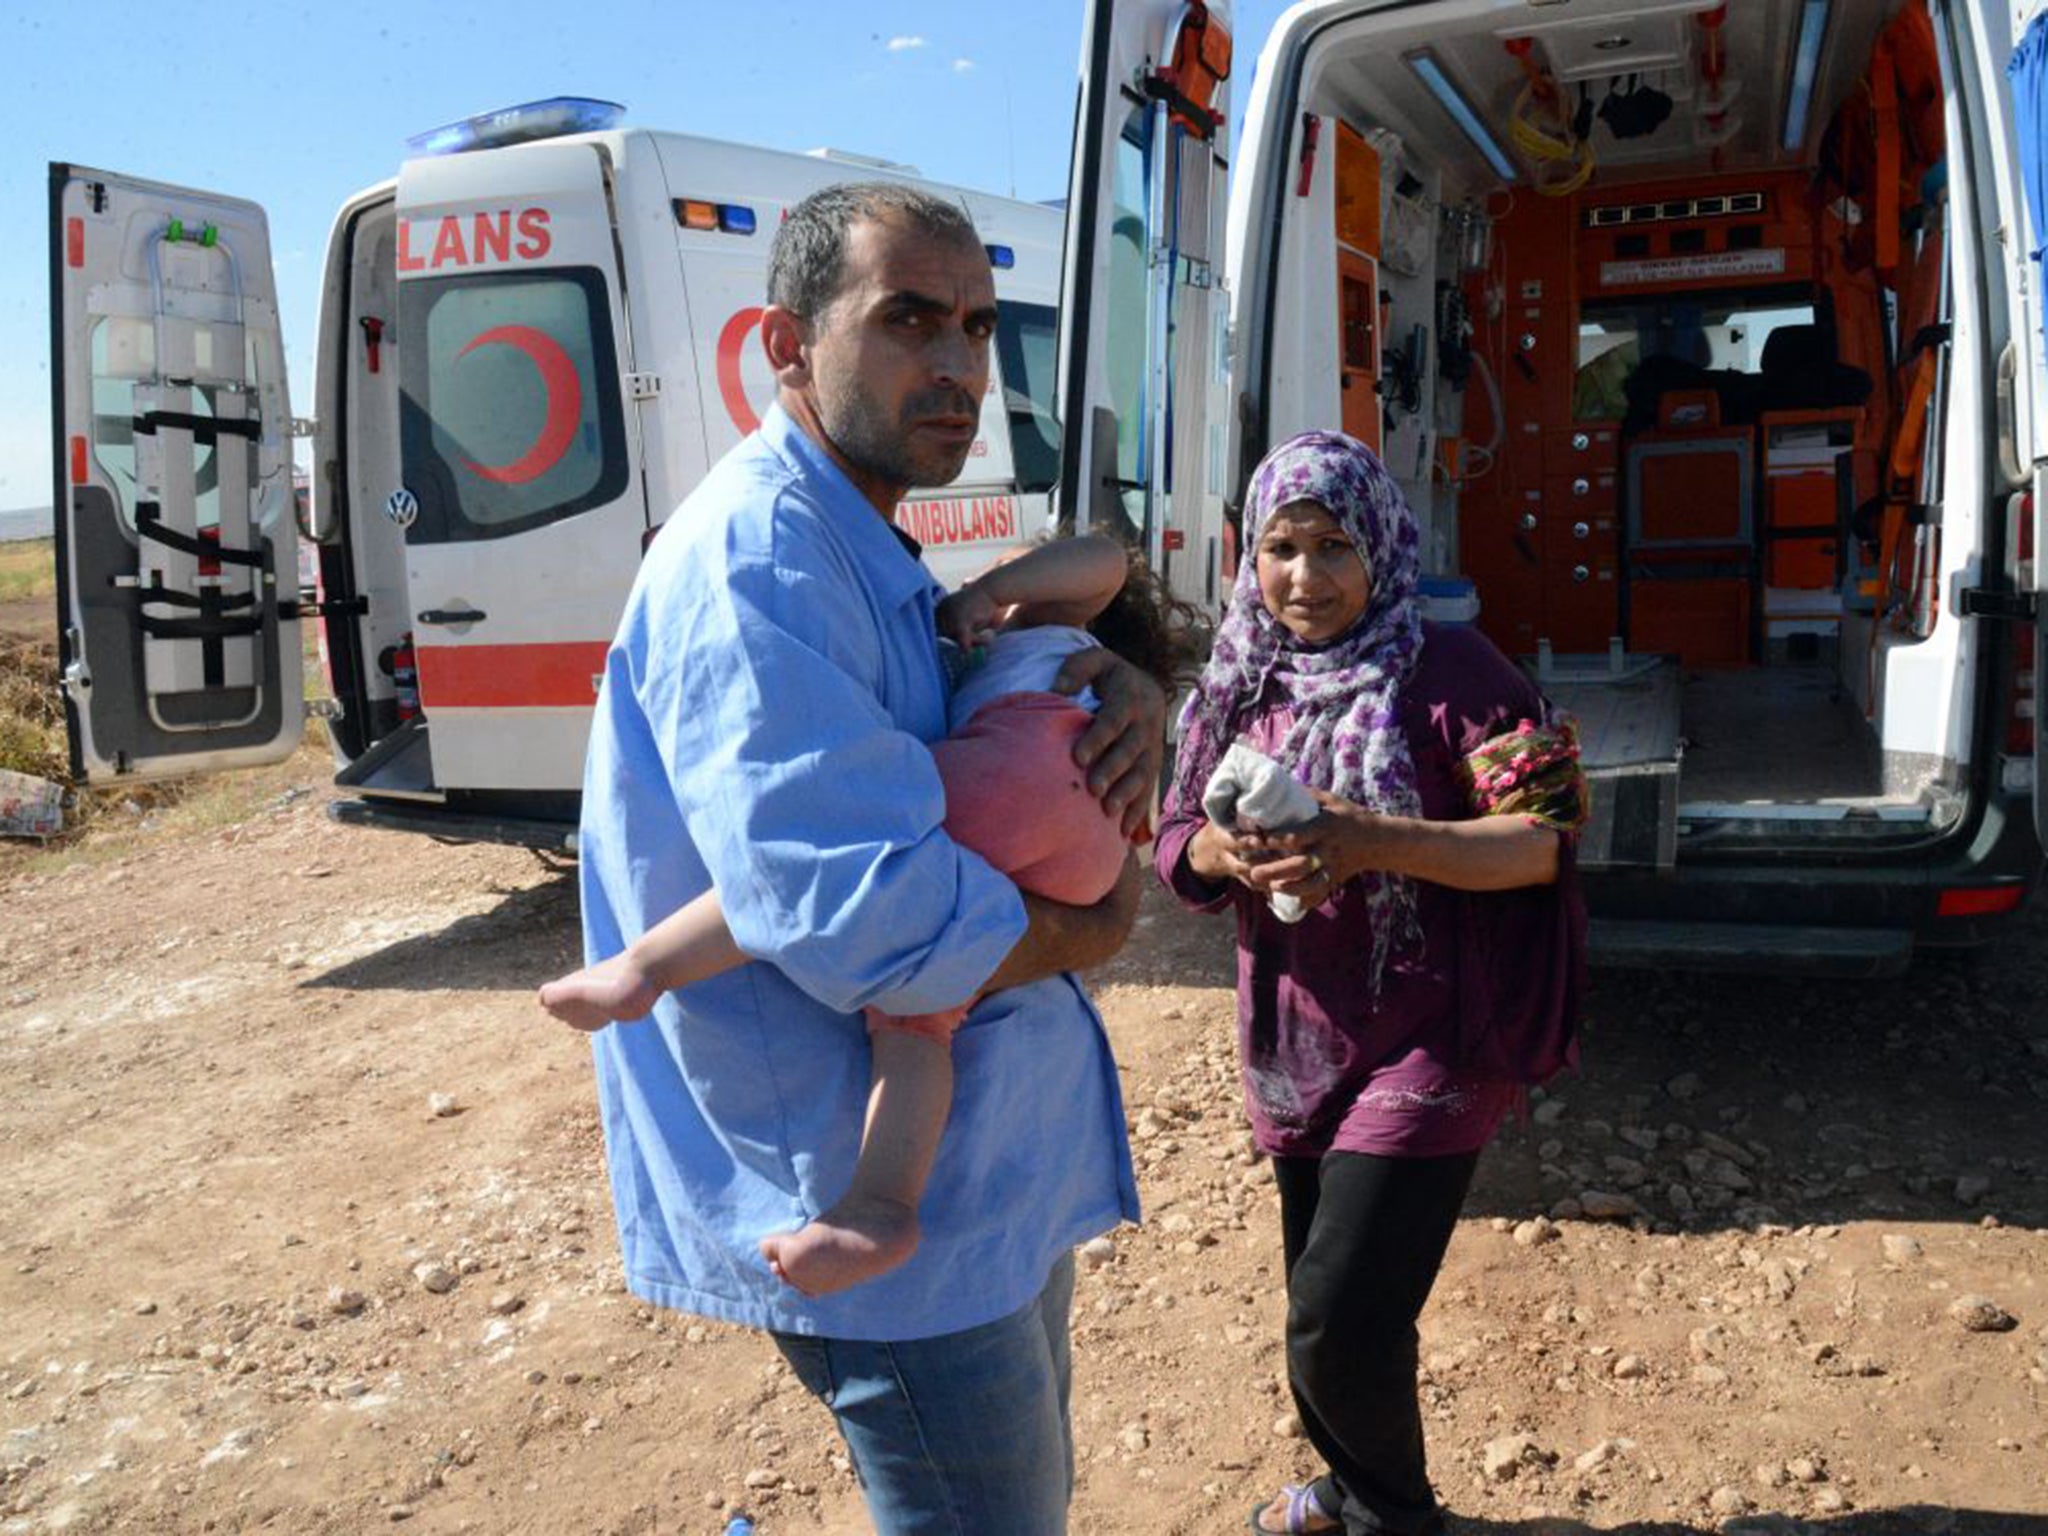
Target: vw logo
{"points": [[402, 507]]}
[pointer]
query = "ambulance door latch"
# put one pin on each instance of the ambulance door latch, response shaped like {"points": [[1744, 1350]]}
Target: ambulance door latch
{"points": [[643, 386]]}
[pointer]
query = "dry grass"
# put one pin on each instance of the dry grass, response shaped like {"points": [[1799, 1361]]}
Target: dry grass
{"points": [[28, 570], [32, 740]]}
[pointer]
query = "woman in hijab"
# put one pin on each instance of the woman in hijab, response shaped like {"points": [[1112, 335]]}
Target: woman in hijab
{"points": [[1437, 970]]}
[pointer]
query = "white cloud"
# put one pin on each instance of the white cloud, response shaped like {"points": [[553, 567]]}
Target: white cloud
{"points": [[962, 66], [900, 44]]}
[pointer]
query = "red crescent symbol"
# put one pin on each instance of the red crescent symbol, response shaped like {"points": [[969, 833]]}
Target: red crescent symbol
{"points": [[564, 395], [730, 390]]}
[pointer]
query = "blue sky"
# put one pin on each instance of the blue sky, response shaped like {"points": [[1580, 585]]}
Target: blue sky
{"points": [[298, 105]]}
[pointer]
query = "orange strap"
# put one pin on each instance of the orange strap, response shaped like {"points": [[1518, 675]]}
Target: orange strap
{"points": [[1906, 447]]}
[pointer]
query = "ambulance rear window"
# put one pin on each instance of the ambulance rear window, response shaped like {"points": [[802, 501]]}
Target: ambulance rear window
{"points": [[510, 401]]}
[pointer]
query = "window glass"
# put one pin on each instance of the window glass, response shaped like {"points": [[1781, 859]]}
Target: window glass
{"points": [[1727, 333], [510, 414], [1129, 308], [1027, 335]]}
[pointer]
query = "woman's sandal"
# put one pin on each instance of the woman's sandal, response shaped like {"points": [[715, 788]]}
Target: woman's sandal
{"points": [[1302, 1506]]}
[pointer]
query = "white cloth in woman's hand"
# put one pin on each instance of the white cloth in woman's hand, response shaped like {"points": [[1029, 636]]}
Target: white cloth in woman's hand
{"points": [[1250, 792]]}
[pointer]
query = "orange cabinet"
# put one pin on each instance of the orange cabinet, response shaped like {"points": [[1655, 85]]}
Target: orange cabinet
{"points": [[1358, 345], [1358, 192]]}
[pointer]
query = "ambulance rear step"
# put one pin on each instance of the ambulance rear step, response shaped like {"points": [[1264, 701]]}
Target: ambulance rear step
{"points": [[1754, 948], [397, 765], [456, 826]]}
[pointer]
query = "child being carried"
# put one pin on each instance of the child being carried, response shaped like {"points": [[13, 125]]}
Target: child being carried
{"points": [[1014, 796]]}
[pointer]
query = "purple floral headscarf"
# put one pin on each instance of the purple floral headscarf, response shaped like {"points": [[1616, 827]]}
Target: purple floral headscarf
{"points": [[1345, 693]]}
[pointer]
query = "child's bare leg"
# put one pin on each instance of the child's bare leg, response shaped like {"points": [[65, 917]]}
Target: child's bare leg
{"points": [[873, 1226], [687, 946]]}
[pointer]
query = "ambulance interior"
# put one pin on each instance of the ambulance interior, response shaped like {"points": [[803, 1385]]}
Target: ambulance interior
{"points": [[1643, 304]]}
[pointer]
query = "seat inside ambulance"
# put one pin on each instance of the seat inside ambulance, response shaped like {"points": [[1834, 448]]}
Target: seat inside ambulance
{"points": [[1645, 305]]}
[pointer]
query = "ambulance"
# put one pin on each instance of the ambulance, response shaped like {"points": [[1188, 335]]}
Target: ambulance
{"points": [[531, 345], [1705, 340]]}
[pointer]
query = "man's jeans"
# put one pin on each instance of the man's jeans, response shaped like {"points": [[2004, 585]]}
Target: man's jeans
{"points": [[965, 1434]]}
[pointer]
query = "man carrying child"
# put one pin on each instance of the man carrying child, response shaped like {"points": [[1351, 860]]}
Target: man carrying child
{"points": [[762, 730]]}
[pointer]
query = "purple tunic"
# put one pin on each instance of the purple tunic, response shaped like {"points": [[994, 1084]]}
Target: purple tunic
{"points": [[1485, 1007]]}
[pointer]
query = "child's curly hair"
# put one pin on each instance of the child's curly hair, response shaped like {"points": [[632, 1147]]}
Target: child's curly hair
{"points": [[1149, 627]]}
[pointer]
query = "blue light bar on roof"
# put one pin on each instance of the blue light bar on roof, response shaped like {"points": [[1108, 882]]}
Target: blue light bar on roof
{"points": [[1813, 31], [1001, 257], [530, 120], [1461, 111]]}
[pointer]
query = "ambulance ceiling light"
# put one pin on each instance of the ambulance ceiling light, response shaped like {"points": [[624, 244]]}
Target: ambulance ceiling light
{"points": [[1813, 32], [1426, 69], [529, 120]]}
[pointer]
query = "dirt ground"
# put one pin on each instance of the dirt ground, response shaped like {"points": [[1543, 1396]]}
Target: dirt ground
{"points": [[305, 1230]]}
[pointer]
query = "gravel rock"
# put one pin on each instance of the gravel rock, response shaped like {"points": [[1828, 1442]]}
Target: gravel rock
{"points": [[1096, 1252], [1972, 1187], [1607, 1205], [1600, 1455], [1630, 1368], [1980, 1314], [1541, 1230], [344, 1302], [440, 1106], [437, 1278], [1686, 1085], [1728, 1500], [1900, 1249], [1502, 1459]]}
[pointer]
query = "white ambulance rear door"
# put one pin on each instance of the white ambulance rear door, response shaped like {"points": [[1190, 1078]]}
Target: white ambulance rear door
{"points": [[1143, 384], [521, 494], [176, 534], [2000, 68]]}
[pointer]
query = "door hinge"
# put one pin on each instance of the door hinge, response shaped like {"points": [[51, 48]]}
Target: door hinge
{"points": [[324, 709], [643, 386], [1983, 603], [304, 426]]}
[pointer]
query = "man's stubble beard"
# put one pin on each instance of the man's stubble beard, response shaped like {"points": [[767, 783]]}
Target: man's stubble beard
{"points": [[881, 448]]}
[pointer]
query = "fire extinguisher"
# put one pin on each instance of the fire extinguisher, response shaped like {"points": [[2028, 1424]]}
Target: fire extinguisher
{"points": [[405, 676]]}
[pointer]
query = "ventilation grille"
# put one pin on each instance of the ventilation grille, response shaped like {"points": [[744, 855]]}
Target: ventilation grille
{"points": [[1673, 210]]}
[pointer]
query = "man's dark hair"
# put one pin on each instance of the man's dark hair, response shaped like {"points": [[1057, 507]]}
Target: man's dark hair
{"points": [[807, 264]]}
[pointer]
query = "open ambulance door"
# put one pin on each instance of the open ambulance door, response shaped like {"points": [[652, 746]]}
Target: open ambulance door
{"points": [[2021, 54], [176, 536], [1143, 388], [521, 497]]}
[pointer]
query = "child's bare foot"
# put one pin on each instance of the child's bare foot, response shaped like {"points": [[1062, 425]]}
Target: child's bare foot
{"points": [[600, 994], [856, 1240]]}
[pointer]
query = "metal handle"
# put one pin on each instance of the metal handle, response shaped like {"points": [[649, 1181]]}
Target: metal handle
{"points": [[1581, 485], [1528, 521], [1581, 573], [1528, 341], [452, 616], [1581, 442], [1582, 530]]}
